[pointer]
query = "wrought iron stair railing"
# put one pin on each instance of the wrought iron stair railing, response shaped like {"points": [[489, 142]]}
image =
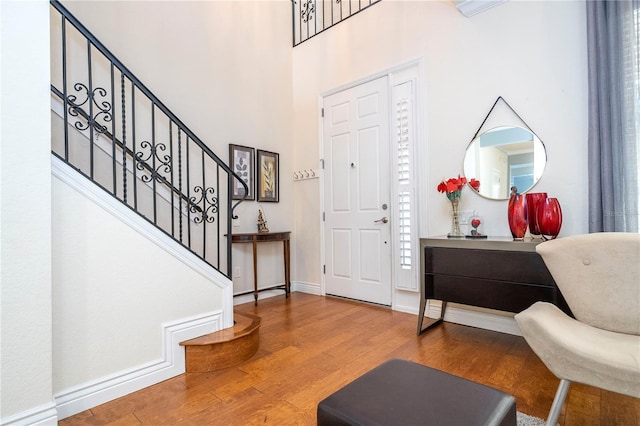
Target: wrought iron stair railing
{"points": [[312, 17], [110, 127]]}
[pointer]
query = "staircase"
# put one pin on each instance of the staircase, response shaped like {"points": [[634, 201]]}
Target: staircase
{"points": [[117, 133], [225, 348], [110, 128]]}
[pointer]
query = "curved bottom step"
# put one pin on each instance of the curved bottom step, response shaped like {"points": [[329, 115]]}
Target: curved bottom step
{"points": [[224, 348]]}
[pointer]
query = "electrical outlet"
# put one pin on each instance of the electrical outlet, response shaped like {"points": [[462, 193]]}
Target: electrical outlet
{"points": [[236, 272], [236, 223]]}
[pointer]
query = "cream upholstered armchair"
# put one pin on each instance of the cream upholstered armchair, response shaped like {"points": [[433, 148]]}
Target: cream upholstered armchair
{"points": [[599, 277]]}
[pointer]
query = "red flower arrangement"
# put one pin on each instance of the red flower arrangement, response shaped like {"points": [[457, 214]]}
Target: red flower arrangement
{"points": [[475, 184], [452, 187]]}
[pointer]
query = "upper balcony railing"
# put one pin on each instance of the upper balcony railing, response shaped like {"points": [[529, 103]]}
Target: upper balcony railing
{"points": [[108, 126], [311, 17]]}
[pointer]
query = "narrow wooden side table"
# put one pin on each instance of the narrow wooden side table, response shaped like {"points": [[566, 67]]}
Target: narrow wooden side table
{"points": [[254, 238]]}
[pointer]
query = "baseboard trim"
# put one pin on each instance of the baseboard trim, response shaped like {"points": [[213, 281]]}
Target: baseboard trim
{"points": [[45, 414], [265, 294], [83, 397], [302, 287], [305, 287]]}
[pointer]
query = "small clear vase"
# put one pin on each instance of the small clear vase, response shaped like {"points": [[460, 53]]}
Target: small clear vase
{"points": [[455, 219]]}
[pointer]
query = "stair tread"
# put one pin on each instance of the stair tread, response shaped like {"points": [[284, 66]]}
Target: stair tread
{"points": [[244, 325]]}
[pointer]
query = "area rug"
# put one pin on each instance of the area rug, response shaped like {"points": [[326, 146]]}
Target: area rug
{"points": [[527, 420]]}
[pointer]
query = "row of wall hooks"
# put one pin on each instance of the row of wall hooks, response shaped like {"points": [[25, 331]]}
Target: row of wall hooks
{"points": [[305, 174]]}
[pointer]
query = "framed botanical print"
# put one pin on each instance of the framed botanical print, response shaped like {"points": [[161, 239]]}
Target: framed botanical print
{"points": [[241, 161], [268, 179]]}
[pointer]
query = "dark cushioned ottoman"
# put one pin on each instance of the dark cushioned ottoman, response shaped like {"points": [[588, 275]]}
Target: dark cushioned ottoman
{"points": [[403, 393]]}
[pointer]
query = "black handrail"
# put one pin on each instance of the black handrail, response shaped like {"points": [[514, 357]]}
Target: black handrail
{"points": [[204, 203]]}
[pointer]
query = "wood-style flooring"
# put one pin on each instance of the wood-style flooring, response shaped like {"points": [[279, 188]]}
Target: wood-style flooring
{"points": [[310, 346]]}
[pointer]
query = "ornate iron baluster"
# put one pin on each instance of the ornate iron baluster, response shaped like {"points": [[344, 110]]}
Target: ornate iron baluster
{"points": [[64, 88], [113, 136], [209, 208], [90, 90], [133, 143], [188, 196], [173, 233], [204, 213], [304, 11], [308, 8], [89, 98], [180, 181], [154, 155], [124, 140], [157, 175]]}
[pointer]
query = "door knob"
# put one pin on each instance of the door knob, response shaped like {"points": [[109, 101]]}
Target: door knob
{"points": [[383, 220]]}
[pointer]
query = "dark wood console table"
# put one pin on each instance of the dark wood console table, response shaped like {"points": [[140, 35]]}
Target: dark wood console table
{"points": [[256, 238], [496, 273]]}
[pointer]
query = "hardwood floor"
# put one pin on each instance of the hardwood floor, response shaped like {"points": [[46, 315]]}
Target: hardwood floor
{"points": [[310, 346]]}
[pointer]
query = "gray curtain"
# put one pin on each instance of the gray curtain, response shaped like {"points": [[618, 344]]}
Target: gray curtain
{"points": [[614, 114]]}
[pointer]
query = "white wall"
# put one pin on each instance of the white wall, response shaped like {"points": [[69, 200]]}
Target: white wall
{"points": [[112, 290], [25, 218], [533, 53], [224, 68]]}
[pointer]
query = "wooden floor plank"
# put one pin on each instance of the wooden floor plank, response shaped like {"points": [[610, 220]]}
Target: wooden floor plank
{"points": [[311, 346]]}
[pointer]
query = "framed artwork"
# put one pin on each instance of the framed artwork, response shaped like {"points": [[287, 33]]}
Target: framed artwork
{"points": [[242, 163], [268, 180]]}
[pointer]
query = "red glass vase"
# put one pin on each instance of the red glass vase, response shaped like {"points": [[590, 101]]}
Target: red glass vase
{"points": [[533, 201], [517, 216], [549, 218]]}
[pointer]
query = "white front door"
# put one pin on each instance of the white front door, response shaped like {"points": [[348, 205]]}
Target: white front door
{"points": [[357, 194]]}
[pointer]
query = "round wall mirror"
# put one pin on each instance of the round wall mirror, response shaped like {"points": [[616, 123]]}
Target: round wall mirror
{"points": [[504, 157]]}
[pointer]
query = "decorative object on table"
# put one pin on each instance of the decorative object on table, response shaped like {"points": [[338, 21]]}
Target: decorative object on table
{"points": [[453, 189], [533, 201], [241, 163], [517, 214], [549, 218], [262, 223], [268, 176], [476, 224]]}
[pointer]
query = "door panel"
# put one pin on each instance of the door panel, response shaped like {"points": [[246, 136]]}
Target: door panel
{"points": [[338, 169], [369, 266], [368, 169], [341, 248], [356, 186]]}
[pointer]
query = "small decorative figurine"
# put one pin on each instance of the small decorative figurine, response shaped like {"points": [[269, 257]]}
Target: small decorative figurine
{"points": [[477, 227], [475, 222], [262, 224]]}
